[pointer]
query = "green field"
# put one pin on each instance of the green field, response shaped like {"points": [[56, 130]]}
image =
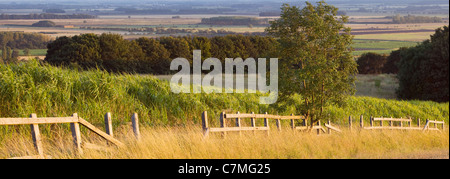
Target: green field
{"points": [[379, 46], [33, 52]]}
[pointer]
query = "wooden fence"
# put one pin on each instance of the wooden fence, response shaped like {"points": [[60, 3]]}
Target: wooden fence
{"points": [[266, 118], [375, 123], [379, 123], [74, 122]]}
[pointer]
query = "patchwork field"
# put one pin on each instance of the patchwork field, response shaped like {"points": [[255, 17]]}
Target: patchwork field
{"points": [[372, 33]]}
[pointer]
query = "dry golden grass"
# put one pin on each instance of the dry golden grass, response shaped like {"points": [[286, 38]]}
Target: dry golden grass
{"points": [[188, 143]]}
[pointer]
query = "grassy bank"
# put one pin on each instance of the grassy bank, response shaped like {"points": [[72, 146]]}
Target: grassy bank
{"points": [[28, 88], [171, 122]]}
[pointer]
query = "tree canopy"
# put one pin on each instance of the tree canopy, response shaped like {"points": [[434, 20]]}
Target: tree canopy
{"points": [[113, 53], [424, 69], [315, 56]]}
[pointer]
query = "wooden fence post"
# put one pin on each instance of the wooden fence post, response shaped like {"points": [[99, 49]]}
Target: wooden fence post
{"points": [[238, 123], [135, 125], [205, 123], [427, 124], [76, 134], [318, 130], [266, 124], [238, 120], [223, 123], [278, 122], [371, 121], [253, 121], [292, 123], [350, 122], [329, 123], [108, 124], [361, 121], [381, 122], [36, 135]]}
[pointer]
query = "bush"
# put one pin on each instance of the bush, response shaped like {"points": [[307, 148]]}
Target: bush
{"points": [[391, 65], [371, 63], [424, 69]]}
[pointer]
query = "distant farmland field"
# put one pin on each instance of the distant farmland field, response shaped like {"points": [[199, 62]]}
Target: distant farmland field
{"points": [[379, 46]]}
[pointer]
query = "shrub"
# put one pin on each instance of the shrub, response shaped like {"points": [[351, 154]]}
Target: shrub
{"points": [[371, 63], [424, 69]]}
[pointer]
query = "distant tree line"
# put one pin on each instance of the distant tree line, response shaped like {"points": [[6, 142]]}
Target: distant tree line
{"points": [[9, 55], [422, 70], [22, 40], [47, 16], [10, 42], [161, 30], [269, 13], [173, 31], [147, 55], [54, 10], [234, 20], [397, 19], [131, 10]]}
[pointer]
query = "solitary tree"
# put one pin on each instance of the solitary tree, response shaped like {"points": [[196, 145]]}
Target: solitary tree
{"points": [[315, 57]]}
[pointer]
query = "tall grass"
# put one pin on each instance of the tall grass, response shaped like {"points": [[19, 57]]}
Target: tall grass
{"points": [[169, 143], [32, 87], [188, 143]]}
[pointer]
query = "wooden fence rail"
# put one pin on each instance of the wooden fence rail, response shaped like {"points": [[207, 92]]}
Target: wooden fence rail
{"points": [[253, 117], [392, 123], [397, 124], [74, 122]]}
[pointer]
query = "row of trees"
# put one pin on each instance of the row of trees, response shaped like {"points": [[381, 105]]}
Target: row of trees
{"points": [[47, 16], [162, 30], [146, 55], [415, 19], [9, 55], [234, 20], [21, 40]]}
